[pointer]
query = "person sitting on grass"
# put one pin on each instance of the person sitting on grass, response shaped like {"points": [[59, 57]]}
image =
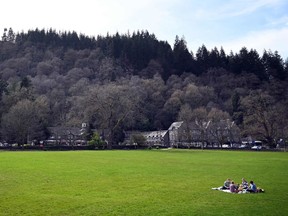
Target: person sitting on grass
{"points": [[233, 187], [226, 185], [252, 187], [244, 184]]}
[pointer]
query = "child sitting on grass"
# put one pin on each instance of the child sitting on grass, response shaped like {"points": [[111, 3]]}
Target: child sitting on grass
{"points": [[233, 188]]}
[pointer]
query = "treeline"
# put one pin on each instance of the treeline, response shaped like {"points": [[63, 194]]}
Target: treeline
{"points": [[134, 82]]}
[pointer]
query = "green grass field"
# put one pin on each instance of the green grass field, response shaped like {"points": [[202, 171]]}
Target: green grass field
{"points": [[147, 182]]}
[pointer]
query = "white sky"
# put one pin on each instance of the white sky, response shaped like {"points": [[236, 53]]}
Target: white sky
{"points": [[233, 24]]}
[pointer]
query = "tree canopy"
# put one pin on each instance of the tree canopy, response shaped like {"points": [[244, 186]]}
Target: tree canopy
{"points": [[134, 81]]}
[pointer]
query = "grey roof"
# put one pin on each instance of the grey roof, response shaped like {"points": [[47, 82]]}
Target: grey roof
{"points": [[175, 125], [155, 133]]}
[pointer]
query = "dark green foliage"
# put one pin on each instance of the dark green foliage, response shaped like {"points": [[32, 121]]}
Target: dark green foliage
{"points": [[138, 49], [236, 102], [183, 61], [248, 62], [51, 38], [96, 141], [203, 59], [274, 66], [237, 114], [25, 82]]}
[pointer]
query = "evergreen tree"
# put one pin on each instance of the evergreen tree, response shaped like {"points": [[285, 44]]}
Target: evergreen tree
{"points": [[25, 82], [202, 57], [237, 112], [8, 36], [183, 61], [223, 58], [11, 35], [4, 36], [274, 66]]}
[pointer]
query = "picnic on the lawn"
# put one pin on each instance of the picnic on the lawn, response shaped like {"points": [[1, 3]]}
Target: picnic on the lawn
{"points": [[231, 187]]}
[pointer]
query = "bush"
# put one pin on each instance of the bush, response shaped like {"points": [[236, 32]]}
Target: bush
{"points": [[96, 142]]}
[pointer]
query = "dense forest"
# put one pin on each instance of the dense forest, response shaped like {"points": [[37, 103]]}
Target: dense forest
{"points": [[134, 81]]}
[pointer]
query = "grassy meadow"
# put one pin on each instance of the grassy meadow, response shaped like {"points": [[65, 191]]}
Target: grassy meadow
{"points": [[140, 182]]}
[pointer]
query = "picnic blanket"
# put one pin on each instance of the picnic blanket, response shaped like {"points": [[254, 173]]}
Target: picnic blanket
{"points": [[240, 192], [220, 189]]}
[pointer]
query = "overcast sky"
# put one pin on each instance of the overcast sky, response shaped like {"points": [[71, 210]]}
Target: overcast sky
{"points": [[232, 24]]}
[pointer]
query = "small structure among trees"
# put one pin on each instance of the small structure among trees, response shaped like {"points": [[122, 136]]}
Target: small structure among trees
{"points": [[69, 136]]}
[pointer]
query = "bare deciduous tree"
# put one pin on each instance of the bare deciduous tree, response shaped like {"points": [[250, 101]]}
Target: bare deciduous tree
{"points": [[108, 107], [263, 117], [22, 123]]}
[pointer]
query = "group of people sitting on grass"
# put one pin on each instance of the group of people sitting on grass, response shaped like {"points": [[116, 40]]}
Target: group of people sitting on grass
{"points": [[244, 187]]}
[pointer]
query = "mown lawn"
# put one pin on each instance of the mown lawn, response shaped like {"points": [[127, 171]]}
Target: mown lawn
{"points": [[155, 182]]}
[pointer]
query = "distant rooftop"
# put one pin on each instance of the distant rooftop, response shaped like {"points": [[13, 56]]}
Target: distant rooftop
{"points": [[175, 125]]}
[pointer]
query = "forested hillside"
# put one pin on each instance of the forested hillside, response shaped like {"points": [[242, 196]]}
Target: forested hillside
{"points": [[135, 82]]}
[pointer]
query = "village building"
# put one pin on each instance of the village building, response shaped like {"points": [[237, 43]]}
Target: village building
{"points": [[175, 131], [149, 138], [69, 136], [157, 138]]}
